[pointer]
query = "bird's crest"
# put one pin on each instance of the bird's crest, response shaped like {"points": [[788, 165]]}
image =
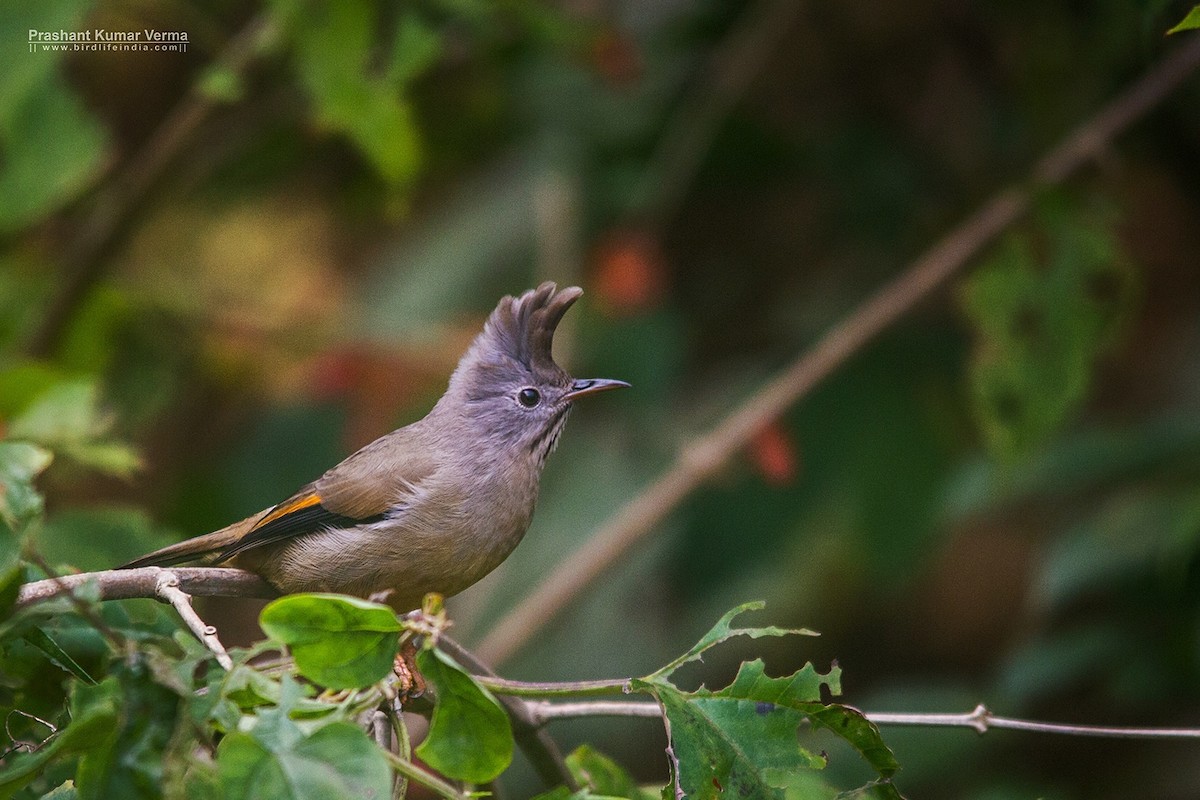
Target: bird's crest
{"points": [[522, 328]]}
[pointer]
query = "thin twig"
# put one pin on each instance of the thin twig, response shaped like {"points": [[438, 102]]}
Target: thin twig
{"points": [[167, 589], [980, 719], [115, 205], [528, 717], [707, 455]]}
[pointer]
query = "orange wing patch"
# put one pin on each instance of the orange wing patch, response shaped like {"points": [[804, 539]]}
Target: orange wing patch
{"points": [[283, 509]]}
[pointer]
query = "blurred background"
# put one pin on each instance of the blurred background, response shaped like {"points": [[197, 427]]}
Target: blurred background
{"points": [[260, 253]]}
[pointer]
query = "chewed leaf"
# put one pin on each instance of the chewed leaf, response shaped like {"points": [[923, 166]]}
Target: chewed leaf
{"points": [[801, 691], [731, 748], [724, 631], [740, 741]]}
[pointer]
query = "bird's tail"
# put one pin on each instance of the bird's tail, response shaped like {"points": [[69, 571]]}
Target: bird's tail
{"points": [[195, 549]]}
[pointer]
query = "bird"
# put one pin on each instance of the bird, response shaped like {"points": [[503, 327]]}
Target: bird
{"points": [[433, 506]]}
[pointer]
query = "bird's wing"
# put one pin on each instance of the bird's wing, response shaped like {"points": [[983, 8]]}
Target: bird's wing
{"points": [[379, 479]]}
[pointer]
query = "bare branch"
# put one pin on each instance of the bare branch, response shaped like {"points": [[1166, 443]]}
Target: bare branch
{"points": [[980, 719], [707, 455], [167, 589], [124, 584]]}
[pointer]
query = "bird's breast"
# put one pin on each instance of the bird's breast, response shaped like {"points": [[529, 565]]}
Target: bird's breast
{"points": [[444, 539]]}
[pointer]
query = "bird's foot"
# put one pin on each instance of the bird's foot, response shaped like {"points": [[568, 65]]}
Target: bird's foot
{"points": [[409, 682]]}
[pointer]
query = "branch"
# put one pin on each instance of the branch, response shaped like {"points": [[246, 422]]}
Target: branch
{"points": [[707, 455], [167, 589], [980, 719], [124, 584]]}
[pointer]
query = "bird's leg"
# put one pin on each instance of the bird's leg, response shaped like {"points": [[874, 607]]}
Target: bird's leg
{"points": [[427, 624], [409, 683]]}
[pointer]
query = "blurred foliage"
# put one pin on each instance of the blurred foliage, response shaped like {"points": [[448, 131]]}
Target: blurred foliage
{"points": [[53, 148], [996, 501], [1045, 306]]}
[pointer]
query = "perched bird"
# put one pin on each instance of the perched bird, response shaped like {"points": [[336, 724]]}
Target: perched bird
{"points": [[435, 505]]}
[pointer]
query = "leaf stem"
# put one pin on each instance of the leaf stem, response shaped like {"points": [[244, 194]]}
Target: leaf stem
{"points": [[602, 688], [427, 779]]}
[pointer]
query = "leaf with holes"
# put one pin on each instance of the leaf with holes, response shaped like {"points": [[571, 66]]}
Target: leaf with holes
{"points": [[740, 741], [723, 631], [1045, 307]]}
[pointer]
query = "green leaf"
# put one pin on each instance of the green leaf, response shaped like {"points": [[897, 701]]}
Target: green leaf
{"points": [[66, 414], [731, 747], [740, 742], [93, 719], [469, 735], [111, 458], [603, 776], [67, 418], [722, 632], [20, 463], [52, 147], [1045, 307], [59, 657], [64, 791], [338, 760], [332, 45], [131, 758], [337, 641], [1188, 23]]}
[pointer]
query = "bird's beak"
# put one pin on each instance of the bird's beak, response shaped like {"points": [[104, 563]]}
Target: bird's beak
{"points": [[586, 386]]}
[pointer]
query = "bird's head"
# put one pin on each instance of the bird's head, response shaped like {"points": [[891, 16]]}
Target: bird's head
{"points": [[508, 382]]}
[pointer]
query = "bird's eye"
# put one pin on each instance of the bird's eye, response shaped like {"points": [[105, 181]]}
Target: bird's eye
{"points": [[529, 397]]}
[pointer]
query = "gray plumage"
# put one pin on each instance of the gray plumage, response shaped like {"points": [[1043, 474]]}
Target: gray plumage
{"points": [[435, 505]]}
